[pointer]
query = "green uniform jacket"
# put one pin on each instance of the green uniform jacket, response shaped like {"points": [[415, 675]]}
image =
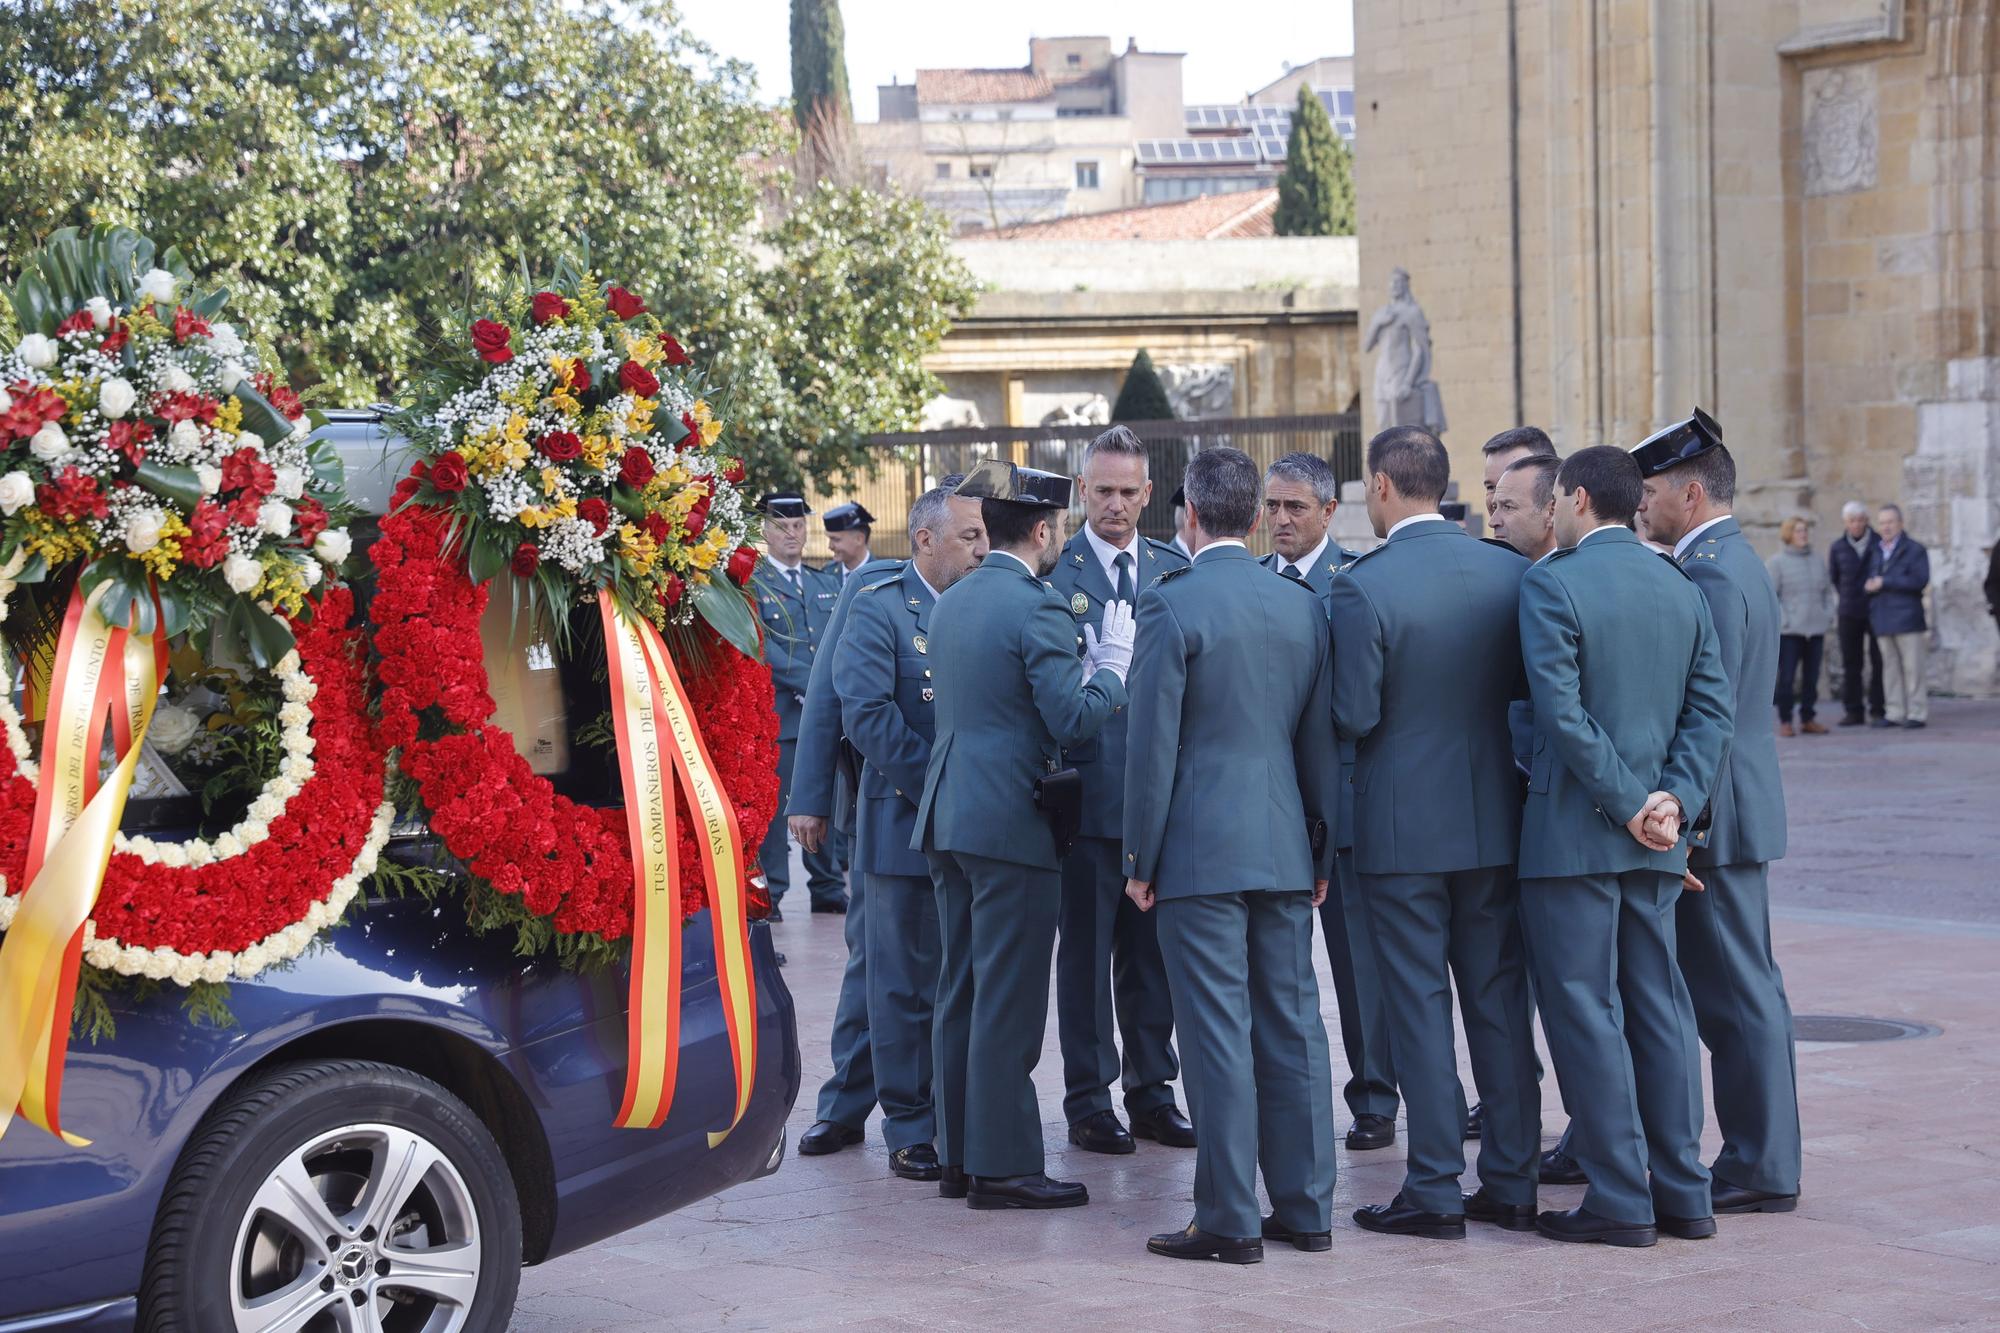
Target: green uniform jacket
{"points": [[1630, 699], [1228, 753], [817, 784], [1319, 577], [794, 628], [1426, 657], [1747, 808], [1100, 761], [1010, 695]]}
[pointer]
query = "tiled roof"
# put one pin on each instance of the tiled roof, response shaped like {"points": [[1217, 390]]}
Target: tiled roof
{"points": [[965, 87], [1206, 217]]}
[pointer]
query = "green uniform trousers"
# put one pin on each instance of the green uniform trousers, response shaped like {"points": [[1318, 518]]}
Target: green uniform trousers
{"points": [[1622, 1030], [1254, 1057], [1746, 1022], [1357, 988], [1431, 931], [825, 869], [1109, 959], [997, 936], [848, 1094], [902, 988]]}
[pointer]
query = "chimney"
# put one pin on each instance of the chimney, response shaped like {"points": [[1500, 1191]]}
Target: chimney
{"points": [[1131, 46]]}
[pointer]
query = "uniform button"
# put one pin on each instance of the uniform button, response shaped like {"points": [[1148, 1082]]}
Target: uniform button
{"points": [[899, 791]]}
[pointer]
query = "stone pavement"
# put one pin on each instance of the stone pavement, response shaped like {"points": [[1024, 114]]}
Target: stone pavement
{"points": [[1889, 906]]}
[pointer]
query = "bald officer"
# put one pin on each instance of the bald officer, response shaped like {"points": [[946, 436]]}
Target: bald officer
{"points": [[1009, 698], [1725, 931], [1228, 792]]}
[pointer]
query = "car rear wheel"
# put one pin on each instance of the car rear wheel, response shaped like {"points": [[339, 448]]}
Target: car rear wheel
{"points": [[339, 1196]]}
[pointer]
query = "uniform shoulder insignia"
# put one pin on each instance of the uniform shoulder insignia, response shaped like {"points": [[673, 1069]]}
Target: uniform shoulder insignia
{"points": [[1364, 555], [1156, 548], [1563, 553], [888, 577], [1173, 573], [1676, 565]]}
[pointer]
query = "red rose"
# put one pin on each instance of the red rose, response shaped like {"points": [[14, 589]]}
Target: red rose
{"points": [[579, 377], [734, 473], [490, 339], [560, 446], [596, 513], [246, 472], [638, 380], [548, 306], [187, 324], [742, 561], [129, 438], [696, 520], [676, 354], [279, 395], [448, 473], [76, 323], [636, 468], [623, 304], [527, 559], [673, 592]]}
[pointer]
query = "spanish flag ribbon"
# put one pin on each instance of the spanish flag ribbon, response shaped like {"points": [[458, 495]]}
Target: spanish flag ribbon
{"points": [[656, 731], [98, 668]]}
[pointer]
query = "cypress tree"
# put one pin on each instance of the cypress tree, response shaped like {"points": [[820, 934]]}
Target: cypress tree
{"points": [[1316, 193], [1142, 397], [819, 63]]}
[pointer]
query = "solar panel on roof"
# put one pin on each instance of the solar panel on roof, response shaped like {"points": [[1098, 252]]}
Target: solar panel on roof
{"points": [[1344, 102]]}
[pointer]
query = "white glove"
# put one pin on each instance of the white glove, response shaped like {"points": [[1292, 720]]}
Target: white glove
{"points": [[1109, 647]]}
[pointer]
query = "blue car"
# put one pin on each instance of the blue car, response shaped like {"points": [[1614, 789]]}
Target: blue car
{"points": [[395, 1123]]}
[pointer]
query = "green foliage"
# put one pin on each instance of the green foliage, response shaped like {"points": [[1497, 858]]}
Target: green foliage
{"points": [[1142, 397], [819, 63], [1316, 193], [351, 172]]}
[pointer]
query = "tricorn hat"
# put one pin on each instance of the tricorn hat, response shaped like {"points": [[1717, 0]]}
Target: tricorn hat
{"points": [[1667, 449], [1179, 498], [1014, 484], [784, 504], [847, 517]]}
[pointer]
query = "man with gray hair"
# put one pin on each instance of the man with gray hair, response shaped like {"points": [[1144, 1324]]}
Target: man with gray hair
{"points": [[1522, 504], [1108, 959], [1846, 564]]}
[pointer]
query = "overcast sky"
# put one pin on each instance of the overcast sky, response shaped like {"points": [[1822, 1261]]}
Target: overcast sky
{"points": [[1231, 48]]}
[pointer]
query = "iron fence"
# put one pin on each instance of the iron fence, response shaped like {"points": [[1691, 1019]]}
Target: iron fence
{"points": [[910, 461]]}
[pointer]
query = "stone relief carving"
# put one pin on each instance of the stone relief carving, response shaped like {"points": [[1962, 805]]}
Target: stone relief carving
{"points": [[1092, 409], [1201, 390], [946, 413], [1840, 140]]}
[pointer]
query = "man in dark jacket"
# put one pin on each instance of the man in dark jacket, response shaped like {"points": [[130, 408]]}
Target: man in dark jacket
{"points": [[1898, 571], [1845, 561]]}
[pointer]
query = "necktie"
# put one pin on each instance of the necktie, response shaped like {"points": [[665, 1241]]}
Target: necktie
{"points": [[1123, 562], [798, 587], [1296, 572]]}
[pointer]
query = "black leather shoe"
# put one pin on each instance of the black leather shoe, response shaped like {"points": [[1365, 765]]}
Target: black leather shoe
{"points": [[1913, 726], [1729, 1198], [776, 915], [827, 1136], [1587, 1228], [1194, 1243], [951, 1182], [1883, 722], [1370, 1132], [916, 1162], [1559, 1168], [835, 906], [1036, 1191], [779, 954], [1312, 1242], [1396, 1218], [1853, 720], [1164, 1125], [1100, 1132], [1475, 1120], [1686, 1228], [1482, 1207]]}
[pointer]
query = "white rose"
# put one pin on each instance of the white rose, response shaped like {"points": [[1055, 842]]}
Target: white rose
{"points": [[49, 443], [37, 351], [312, 571], [157, 285], [232, 375], [242, 573], [6, 401], [175, 380], [16, 490], [224, 342], [250, 439], [275, 517], [291, 482], [115, 398], [184, 438], [210, 476], [173, 727], [331, 546], [142, 530], [100, 312]]}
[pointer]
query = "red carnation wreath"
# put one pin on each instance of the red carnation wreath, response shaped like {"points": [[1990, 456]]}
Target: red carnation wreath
{"points": [[567, 862]]}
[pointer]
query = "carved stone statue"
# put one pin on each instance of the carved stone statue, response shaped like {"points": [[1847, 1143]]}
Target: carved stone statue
{"points": [[1404, 392], [1202, 390]]}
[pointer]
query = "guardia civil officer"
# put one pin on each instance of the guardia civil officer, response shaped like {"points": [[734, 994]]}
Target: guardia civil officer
{"points": [[794, 602], [1228, 793], [1009, 696], [825, 777], [1108, 957], [1300, 496], [1632, 718], [1427, 657], [1725, 931], [849, 529], [882, 673]]}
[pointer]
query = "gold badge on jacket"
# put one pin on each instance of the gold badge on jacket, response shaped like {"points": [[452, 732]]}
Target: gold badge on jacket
{"points": [[1080, 604]]}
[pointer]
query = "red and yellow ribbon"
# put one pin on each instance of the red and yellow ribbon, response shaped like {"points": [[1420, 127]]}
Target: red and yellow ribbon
{"points": [[98, 668], [656, 730]]}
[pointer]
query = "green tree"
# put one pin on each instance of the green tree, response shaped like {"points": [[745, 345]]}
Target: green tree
{"points": [[819, 63], [1142, 397], [1316, 193], [350, 171]]}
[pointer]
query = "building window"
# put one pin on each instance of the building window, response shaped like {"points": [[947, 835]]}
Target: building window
{"points": [[1005, 113], [944, 171], [1075, 60], [980, 171], [1086, 175]]}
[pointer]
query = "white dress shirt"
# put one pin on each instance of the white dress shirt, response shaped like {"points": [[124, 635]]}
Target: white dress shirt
{"points": [[1402, 523], [1305, 563], [1217, 544], [1107, 556], [1019, 561], [1602, 527]]}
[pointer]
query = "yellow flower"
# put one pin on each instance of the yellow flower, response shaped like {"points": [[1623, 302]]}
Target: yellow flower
{"points": [[563, 401], [533, 517], [566, 507], [639, 550], [165, 555], [552, 482], [707, 428], [643, 350], [516, 429], [596, 451], [56, 542], [640, 419], [229, 417], [284, 584]]}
